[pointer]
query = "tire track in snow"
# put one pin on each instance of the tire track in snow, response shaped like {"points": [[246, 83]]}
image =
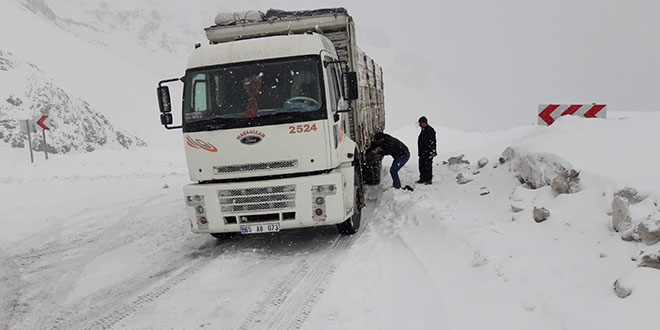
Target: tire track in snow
{"points": [[291, 300], [9, 292], [126, 303], [92, 319], [123, 300], [48, 273]]}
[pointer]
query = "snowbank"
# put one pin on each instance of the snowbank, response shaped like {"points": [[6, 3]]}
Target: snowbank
{"points": [[550, 184]]}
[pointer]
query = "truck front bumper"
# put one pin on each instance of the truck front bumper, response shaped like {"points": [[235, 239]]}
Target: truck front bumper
{"points": [[308, 201]]}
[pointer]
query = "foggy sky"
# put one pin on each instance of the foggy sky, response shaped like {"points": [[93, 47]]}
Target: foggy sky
{"points": [[487, 65], [483, 65]]}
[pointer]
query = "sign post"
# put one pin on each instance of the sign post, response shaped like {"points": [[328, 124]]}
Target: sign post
{"points": [[43, 133], [44, 128], [27, 127]]}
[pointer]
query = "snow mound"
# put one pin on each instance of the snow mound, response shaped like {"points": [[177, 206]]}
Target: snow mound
{"points": [[636, 216], [549, 183], [539, 169]]}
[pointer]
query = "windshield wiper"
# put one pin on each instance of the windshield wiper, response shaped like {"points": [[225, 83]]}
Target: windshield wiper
{"points": [[216, 123], [210, 123], [286, 114]]}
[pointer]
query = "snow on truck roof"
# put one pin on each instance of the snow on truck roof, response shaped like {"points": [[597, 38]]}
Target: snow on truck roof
{"points": [[250, 24]]}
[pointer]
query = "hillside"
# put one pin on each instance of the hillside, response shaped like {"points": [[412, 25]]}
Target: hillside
{"points": [[91, 67], [75, 125]]}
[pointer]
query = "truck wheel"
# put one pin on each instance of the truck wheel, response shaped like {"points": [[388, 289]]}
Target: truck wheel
{"points": [[223, 235], [351, 225], [371, 171]]}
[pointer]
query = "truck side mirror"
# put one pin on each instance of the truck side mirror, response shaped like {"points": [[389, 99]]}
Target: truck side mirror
{"points": [[166, 119], [165, 103], [164, 100], [350, 85]]}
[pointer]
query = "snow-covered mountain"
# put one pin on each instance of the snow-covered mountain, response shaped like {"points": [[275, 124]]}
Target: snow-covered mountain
{"points": [[92, 67], [75, 124], [135, 31]]}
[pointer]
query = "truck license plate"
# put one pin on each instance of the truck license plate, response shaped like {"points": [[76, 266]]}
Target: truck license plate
{"points": [[260, 228]]}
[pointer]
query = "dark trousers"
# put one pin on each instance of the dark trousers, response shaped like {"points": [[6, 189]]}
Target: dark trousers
{"points": [[425, 168], [397, 164]]}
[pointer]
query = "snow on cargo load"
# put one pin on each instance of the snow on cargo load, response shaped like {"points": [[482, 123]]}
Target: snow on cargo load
{"points": [[239, 17], [249, 16], [255, 24]]}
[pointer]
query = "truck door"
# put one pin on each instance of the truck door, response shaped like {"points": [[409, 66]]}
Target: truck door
{"points": [[338, 128]]}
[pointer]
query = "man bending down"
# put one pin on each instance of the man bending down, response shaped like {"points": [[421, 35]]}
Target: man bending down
{"points": [[385, 144]]}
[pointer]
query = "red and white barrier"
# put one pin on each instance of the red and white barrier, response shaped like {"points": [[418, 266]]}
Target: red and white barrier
{"points": [[548, 113]]}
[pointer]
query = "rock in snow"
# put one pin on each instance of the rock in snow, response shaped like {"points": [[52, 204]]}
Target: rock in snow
{"points": [[462, 178], [482, 162], [541, 214]]}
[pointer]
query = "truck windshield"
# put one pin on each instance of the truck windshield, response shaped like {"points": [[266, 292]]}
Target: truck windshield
{"points": [[254, 94]]}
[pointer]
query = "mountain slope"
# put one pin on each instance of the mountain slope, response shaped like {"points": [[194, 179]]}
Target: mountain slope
{"points": [[119, 88], [75, 124], [143, 33]]}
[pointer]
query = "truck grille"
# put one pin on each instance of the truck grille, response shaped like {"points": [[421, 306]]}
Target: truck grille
{"points": [[257, 199], [255, 167]]}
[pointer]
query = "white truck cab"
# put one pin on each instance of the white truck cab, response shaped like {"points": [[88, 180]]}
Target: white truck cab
{"points": [[269, 135]]}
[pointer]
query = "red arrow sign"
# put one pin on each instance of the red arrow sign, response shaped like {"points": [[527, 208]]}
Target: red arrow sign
{"points": [[549, 113], [41, 123], [594, 111]]}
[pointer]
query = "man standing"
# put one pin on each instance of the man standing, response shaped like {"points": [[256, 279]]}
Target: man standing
{"points": [[426, 150], [387, 145]]}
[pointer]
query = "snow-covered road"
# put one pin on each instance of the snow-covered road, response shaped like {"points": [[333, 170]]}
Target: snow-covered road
{"points": [[118, 253]]}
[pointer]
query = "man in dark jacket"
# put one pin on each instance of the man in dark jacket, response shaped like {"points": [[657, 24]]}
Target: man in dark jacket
{"points": [[426, 144], [385, 144]]}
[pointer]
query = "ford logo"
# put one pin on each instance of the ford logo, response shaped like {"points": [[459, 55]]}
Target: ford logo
{"points": [[251, 139]]}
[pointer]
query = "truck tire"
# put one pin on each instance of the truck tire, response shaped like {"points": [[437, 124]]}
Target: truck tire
{"points": [[223, 235], [371, 170], [351, 225]]}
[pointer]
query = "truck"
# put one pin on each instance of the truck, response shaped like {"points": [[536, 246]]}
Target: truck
{"points": [[277, 112]]}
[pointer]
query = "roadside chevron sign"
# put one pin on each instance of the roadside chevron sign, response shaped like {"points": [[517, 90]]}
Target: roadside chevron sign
{"points": [[42, 122], [548, 113]]}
